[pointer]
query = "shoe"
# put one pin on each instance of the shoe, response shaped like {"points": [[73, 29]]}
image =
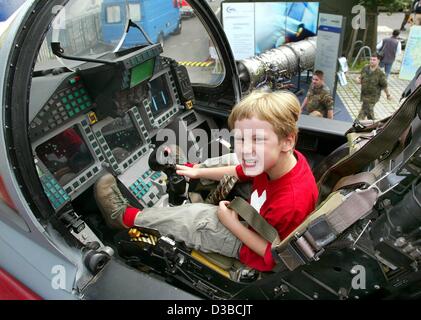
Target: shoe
{"points": [[110, 201]]}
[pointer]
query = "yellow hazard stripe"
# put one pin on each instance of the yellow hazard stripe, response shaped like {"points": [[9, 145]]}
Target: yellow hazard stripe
{"points": [[196, 255], [196, 64]]}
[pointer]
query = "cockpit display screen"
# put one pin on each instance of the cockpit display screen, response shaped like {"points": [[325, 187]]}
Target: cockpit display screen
{"points": [[66, 155], [142, 72], [122, 137], [161, 97]]}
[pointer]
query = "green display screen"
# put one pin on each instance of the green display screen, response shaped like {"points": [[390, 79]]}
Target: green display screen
{"points": [[142, 72]]}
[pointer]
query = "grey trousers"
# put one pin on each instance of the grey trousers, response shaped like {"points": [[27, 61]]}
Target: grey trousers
{"points": [[196, 224]]}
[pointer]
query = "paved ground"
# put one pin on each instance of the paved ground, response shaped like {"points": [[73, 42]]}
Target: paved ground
{"points": [[350, 94]]}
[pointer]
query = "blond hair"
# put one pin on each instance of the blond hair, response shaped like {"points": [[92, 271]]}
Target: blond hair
{"points": [[281, 109]]}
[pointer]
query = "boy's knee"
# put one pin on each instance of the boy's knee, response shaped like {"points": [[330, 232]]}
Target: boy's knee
{"points": [[316, 114]]}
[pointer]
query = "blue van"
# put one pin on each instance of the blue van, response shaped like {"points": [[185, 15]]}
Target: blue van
{"points": [[158, 18]]}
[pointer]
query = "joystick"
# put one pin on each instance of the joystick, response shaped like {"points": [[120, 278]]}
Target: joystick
{"points": [[165, 159]]}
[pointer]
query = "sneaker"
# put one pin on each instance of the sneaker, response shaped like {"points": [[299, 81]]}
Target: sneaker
{"points": [[110, 201]]}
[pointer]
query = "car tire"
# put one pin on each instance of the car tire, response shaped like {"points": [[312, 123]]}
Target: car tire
{"points": [[179, 27], [161, 40]]}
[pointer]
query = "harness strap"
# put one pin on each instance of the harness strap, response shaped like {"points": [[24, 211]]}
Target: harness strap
{"points": [[308, 245], [254, 219], [359, 180], [379, 147]]}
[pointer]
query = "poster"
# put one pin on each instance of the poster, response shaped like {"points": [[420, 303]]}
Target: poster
{"points": [[328, 45], [412, 58], [253, 28], [238, 20]]}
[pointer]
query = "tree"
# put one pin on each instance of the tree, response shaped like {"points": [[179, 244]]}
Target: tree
{"points": [[372, 8]]}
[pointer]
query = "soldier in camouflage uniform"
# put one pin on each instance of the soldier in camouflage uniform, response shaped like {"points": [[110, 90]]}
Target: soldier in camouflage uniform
{"points": [[319, 101], [373, 81]]}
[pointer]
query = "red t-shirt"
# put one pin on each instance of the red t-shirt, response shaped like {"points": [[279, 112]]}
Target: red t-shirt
{"points": [[285, 203]]}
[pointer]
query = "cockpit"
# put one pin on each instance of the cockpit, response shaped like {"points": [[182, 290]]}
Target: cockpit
{"points": [[104, 118], [98, 106], [102, 102], [127, 89]]}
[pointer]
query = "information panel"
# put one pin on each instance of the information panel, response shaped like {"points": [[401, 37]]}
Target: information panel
{"points": [[238, 20], [328, 47], [412, 58], [256, 27]]}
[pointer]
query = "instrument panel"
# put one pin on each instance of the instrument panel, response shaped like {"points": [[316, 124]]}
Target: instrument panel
{"points": [[79, 130], [70, 100]]}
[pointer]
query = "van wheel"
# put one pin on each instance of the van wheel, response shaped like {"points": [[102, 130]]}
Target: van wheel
{"points": [[161, 40], [178, 29]]}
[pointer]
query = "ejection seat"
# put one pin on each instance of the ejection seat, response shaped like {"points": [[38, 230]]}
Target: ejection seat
{"points": [[349, 188], [346, 183], [346, 193]]}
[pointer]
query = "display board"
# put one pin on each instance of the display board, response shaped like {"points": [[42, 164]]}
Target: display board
{"points": [[412, 58], [329, 44], [253, 28]]}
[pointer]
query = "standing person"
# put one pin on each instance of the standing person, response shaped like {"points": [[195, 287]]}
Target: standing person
{"points": [[319, 101], [284, 188], [417, 13], [373, 81], [390, 47]]}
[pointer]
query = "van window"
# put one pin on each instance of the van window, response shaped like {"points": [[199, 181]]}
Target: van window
{"points": [[113, 14], [134, 9]]}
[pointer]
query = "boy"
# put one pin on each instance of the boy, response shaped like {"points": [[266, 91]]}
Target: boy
{"points": [[284, 189]]}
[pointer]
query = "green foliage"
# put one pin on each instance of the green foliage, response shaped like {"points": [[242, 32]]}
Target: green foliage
{"points": [[361, 63], [389, 5]]}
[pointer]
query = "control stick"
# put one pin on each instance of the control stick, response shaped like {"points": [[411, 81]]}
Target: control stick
{"points": [[165, 160]]}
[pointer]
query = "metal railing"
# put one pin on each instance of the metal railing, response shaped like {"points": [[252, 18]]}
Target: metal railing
{"points": [[80, 35], [362, 50]]}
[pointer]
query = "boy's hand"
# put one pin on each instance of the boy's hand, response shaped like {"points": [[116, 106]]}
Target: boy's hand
{"points": [[226, 215], [192, 173]]}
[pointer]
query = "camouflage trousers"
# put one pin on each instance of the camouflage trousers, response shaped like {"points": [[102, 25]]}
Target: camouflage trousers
{"points": [[367, 110]]}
